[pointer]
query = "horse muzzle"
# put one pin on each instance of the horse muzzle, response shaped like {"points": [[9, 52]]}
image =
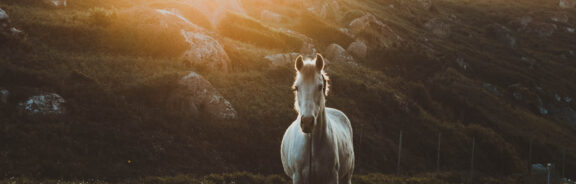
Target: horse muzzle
{"points": [[307, 124]]}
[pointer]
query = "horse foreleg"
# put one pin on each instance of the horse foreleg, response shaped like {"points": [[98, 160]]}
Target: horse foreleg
{"points": [[296, 178]]}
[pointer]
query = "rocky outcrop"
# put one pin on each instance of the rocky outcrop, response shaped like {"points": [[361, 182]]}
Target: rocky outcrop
{"points": [[206, 51], [194, 96], [43, 104], [4, 20], [358, 49], [376, 33], [7, 30], [282, 59], [335, 53]]}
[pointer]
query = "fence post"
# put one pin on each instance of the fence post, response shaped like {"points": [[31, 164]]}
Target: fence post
{"points": [[563, 162], [359, 144], [530, 158], [438, 152], [399, 154], [472, 158]]}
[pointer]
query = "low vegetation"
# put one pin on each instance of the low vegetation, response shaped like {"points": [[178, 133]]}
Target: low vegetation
{"points": [[114, 63]]}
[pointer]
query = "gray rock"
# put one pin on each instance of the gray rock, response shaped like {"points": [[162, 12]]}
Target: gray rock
{"points": [[205, 50], [378, 33], [195, 95], [542, 110], [336, 53], [464, 65], [492, 89], [6, 28], [4, 95], [47, 103], [4, 21], [358, 49]]}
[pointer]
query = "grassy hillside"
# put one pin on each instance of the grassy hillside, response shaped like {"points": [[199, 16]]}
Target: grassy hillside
{"points": [[115, 65]]}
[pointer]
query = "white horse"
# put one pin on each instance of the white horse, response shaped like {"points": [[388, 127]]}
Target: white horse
{"points": [[317, 147]]}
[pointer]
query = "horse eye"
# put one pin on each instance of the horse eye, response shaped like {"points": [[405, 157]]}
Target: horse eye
{"points": [[295, 88]]}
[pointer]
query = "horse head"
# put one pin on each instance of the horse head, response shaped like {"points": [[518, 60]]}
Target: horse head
{"points": [[310, 90]]}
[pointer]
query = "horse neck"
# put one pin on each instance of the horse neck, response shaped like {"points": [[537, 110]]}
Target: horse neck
{"points": [[319, 133]]}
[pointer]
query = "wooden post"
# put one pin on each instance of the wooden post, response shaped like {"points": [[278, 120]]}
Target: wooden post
{"points": [[399, 154], [438, 152], [563, 162], [530, 158], [359, 145], [472, 158]]}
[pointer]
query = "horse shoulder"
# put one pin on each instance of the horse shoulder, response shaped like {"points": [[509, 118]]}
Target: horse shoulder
{"points": [[290, 149], [339, 118], [342, 129]]}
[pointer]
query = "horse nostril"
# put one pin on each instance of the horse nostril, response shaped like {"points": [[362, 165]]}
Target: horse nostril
{"points": [[306, 123]]}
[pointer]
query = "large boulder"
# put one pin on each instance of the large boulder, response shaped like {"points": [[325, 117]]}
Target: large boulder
{"points": [[282, 59], [44, 104], [206, 51], [360, 24], [195, 95], [336, 53], [200, 49], [376, 32], [358, 49]]}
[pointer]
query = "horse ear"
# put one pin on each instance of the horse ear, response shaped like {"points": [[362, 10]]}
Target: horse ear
{"points": [[299, 62], [319, 62]]}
